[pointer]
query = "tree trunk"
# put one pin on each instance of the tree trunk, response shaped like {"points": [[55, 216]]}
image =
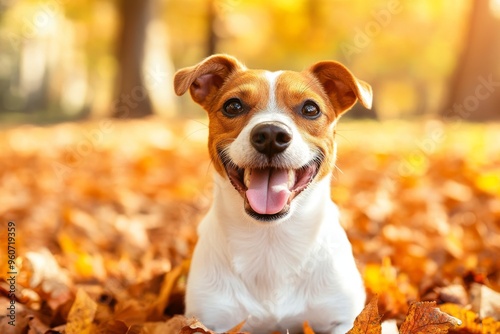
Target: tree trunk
{"points": [[212, 38], [131, 95], [475, 85]]}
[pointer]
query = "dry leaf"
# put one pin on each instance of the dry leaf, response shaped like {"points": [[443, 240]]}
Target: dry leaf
{"points": [[453, 294], [237, 328], [412, 216], [485, 301], [426, 318], [175, 324], [167, 286], [81, 314], [368, 321], [470, 320], [307, 328], [36, 326], [112, 327], [195, 327]]}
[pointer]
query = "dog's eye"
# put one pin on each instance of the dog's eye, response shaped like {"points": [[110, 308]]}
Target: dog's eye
{"points": [[232, 108], [310, 110]]}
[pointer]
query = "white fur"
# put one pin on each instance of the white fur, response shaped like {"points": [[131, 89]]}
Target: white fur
{"points": [[274, 275]]}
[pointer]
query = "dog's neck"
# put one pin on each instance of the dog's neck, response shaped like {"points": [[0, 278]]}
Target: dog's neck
{"points": [[262, 253]]}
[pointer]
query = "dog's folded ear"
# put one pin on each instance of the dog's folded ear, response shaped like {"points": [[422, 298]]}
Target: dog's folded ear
{"points": [[206, 77], [342, 87]]}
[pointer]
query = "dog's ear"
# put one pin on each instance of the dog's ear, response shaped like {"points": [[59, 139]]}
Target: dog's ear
{"points": [[205, 78], [342, 87]]}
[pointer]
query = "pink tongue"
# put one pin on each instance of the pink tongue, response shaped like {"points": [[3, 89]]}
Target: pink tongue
{"points": [[268, 190]]}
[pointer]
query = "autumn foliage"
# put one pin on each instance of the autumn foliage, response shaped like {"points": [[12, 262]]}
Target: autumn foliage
{"points": [[106, 211]]}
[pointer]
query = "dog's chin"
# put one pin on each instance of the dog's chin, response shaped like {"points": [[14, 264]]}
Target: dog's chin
{"points": [[267, 218], [291, 183]]}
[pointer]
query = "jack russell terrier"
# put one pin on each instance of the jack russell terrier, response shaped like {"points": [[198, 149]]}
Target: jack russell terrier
{"points": [[271, 250]]}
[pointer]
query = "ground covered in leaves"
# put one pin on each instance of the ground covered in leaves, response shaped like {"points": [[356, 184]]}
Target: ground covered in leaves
{"points": [[102, 219]]}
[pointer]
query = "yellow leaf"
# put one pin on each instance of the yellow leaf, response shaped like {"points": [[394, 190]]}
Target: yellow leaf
{"points": [[81, 314], [489, 182]]}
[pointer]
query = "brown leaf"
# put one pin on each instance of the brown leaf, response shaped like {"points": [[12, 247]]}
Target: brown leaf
{"points": [[195, 327], [81, 314], [425, 318], [167, 287], [175, 324], [36, 326], [368, 321], [112, 327]]}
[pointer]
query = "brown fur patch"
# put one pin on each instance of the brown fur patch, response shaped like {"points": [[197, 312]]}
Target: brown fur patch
{"points": [[292, 90], [252, 89]]}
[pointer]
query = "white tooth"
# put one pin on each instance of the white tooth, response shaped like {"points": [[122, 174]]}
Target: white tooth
{"points": [[246, 176], [291, 178]]}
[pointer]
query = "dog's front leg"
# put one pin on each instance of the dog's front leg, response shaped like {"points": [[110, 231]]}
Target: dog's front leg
{"points": [[211, 294]]}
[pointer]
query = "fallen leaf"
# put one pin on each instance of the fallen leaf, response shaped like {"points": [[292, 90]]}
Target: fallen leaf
{"points": [[167, 286], [485, 301], [195, 327], [453, 294], [175, 324], [307, 328], [368, 321], [237, 328], [112, 327], [81, 314], [471, 322], [425, 318]]}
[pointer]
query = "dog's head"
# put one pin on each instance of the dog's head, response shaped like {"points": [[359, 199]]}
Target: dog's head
{"points": [[271, 134]]}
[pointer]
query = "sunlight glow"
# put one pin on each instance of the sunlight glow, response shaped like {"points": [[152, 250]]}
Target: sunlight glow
{"points": [[495, 8]]}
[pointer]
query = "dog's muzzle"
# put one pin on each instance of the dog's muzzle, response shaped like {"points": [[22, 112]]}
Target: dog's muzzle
{"points": [[267, 185]]}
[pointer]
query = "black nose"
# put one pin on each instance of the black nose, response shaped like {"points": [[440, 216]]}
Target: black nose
{"points": [[270, 138]]}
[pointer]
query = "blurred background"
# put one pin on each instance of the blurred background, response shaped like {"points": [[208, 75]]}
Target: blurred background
{"points": [[105, 172], [70, 60]]}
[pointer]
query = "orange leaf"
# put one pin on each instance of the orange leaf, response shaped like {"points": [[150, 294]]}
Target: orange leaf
{"points": [[368, 321], [425, 317], [237, 328], [81, 314], [470, 320], [306, 328], [490, 325]]}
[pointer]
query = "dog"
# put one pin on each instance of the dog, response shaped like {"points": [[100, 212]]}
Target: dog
{"points": [[271, 250]]}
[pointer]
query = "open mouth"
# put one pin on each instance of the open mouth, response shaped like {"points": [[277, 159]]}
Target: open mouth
{"points": [[268, 191]]}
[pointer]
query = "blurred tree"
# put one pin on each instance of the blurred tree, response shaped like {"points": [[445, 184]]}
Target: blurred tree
{"points": [[131, 96], [212, 37], [475, 85]]}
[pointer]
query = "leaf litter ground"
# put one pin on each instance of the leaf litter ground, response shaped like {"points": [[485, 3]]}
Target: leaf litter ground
{"points": [[105, 215]]}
